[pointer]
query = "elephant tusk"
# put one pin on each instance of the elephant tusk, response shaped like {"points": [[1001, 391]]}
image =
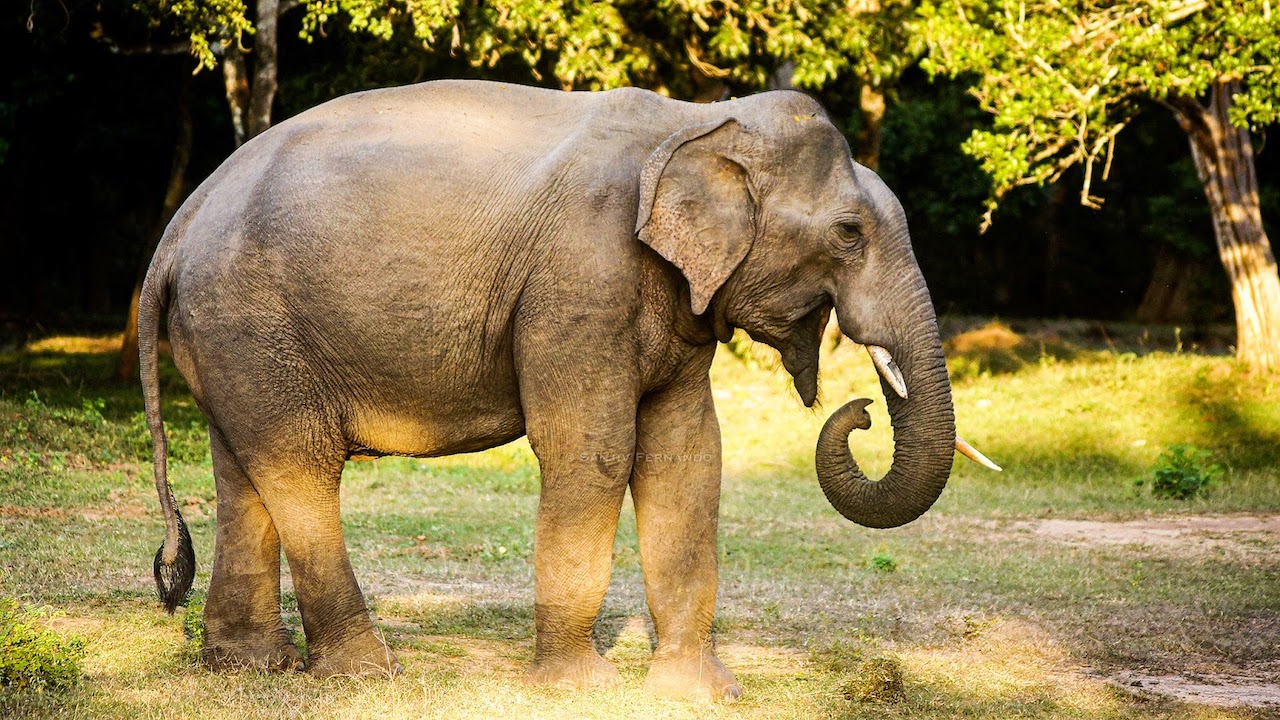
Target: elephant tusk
{"points": [[972, 453], [888, 369]]}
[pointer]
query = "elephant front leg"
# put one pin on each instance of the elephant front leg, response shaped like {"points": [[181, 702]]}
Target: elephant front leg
{"points": [[573, 557], [584, 438], [676, 489]]}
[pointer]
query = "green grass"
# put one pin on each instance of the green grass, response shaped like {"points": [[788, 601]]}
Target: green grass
{"points": [[970, 609]]}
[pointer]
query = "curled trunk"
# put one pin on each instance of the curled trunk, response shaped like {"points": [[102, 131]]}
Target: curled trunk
{"points": [[924, 439]]}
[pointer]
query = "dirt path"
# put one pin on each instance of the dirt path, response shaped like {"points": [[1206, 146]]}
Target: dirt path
{"points": [[1254, 538], [1217, 690]]}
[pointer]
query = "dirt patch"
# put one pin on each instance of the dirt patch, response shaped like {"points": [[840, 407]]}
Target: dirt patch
{"points": [[1250, 538], [1217, 690], [1254, 536]]}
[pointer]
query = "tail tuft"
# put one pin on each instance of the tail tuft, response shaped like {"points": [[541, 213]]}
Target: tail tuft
{"points": [[173, 579]]}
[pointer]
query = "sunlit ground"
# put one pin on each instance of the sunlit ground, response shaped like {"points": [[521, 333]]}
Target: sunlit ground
{"points": [[977, 610]]}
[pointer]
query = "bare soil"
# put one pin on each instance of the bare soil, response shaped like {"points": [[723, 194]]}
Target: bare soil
{"points": [[1219, 690], [1248, 537], [1253, 536]]}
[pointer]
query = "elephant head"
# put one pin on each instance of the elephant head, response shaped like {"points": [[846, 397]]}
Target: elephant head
{"points": [[774, 226]]}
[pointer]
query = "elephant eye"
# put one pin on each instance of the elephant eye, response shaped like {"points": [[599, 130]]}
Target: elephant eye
{"points": [[848, 233], [849, 228]]}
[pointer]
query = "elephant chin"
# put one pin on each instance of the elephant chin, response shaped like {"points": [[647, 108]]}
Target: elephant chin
{"points": [[800, 352], [806, 382]]}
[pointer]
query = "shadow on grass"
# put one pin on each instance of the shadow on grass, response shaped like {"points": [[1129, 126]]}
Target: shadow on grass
{"points": [[478, 621], [67, 410], [65, 379], [1243, 431], [505, 621]]}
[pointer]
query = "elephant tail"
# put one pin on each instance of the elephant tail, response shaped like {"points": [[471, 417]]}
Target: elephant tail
{"points": [[175, 562]]}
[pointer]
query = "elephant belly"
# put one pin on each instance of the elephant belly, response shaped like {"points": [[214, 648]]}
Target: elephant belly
{"points": [[432, 432]]}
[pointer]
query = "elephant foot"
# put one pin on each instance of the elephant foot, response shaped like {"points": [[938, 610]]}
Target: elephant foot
{"points": [[364, 654], [580, 672], [696, 677], [271, 654]]}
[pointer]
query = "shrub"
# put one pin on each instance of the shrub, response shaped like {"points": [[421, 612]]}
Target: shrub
{"points": [[883, 562], [1183, 472], [33, 658]]}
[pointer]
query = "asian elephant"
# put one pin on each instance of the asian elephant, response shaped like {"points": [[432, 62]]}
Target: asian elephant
{"points": [[444, 267]]}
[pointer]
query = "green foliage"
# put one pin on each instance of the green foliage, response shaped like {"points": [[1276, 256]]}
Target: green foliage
{"points": [[193, 619], [883, 562], [669, 46], [1182, 472], [1064, 78], [206, 23], [33, 658], [380, 18]]}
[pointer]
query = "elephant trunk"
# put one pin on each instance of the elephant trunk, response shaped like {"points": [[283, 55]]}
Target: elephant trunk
{"points": [[923, 430]]}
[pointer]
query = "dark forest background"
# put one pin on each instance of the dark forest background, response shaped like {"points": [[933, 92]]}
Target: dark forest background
{"points": [[89, 128]]}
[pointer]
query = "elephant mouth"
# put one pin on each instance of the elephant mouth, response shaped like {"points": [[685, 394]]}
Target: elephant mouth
{"points": [[800, 351]]}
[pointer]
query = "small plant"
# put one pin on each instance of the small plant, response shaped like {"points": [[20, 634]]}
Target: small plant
{"points": [[1182, 472], [33, 658], [883, 562], [91, 412], [772, 613], [193, 619]]}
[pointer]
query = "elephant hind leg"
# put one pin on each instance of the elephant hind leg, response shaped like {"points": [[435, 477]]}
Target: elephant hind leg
{"points": [[243, 628], [298, 478]]}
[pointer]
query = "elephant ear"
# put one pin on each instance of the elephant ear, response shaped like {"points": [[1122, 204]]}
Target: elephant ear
{"points": [[696, 205]]}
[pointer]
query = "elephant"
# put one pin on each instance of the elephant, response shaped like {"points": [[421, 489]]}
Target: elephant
{"points": [[445, 267]]}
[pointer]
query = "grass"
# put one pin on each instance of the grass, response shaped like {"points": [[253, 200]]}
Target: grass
{"points": [[968, 612]]}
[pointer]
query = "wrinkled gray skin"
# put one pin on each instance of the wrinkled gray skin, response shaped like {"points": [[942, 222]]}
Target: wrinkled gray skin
{"points": [[445, 267]]}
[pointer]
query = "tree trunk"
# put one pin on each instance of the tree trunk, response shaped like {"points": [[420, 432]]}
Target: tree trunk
{"points": [[871, 108], [127, 364], [1166, 297], [235, 77], [265, 67], [250, 102], [1223, 156], [1054, 242]]}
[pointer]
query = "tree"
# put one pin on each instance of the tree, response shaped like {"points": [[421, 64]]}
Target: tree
{"points": [[217, 31], [1064, 77], [684, 48]]}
